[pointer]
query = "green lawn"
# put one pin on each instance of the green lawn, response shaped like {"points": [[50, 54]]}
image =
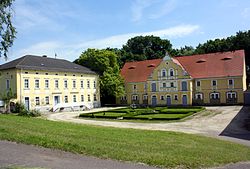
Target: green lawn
{"points": [[157, 148]]}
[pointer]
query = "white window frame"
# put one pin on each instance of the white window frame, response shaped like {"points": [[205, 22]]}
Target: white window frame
{"points": [[95, 98], [164, 85], [47, 100], [74, 98], [171, 70], [198, 81], [37, 101], [26, 83], [163, 73], [57, 84], [46, 83], [171, 84], [65, 83], [212, 83], [88, 84], [199, 94], [66, 99], [176, 97], [162, 97], [134, 87], [37, 84], [231, 85], [94, 84], [134, 97], [82, 98], [74, 84], [82, 84], [145, 97], [214, 95], [231, 94], [89, 99]]}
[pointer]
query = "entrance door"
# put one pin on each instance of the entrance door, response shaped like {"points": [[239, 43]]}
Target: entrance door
{"points": [[56, 100], [154, 100], [168, 100], [27, 103], [184, 100]]}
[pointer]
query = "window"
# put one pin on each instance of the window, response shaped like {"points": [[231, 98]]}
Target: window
{"points": [[82, 84], [88, 84], [66, 99], [164, 85], [123, 98], [230, 82], [145, 97], [231, 95], [145, 86], [7, 84], [56, 84], [46, 84], [74, 84], [37, 84], [176, 97], [162, 97], [95, 99], [214, 83], [134, 87], [198, 83], [74, 98], [65, 84], [134, 97], [47, 100], [214, 96], [89, 98], [94, 84], [172, 84], [198, 96], [163, 73], [82, 98], [184, 86], [171, 72], [37, 101], [26, 83]]}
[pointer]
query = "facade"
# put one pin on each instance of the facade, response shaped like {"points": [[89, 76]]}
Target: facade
{"points": [[45, 84], [208, 79]]}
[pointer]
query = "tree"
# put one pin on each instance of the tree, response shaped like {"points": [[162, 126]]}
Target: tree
{"points": [[105, 63], [145, 47], [7, 97], [7, 30]]}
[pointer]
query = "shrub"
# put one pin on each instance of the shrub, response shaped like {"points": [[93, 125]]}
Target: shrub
{"points": [[21, 110]]}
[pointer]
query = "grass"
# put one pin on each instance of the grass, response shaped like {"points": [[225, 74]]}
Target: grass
{"points": [[157, 148], [157, 113]]}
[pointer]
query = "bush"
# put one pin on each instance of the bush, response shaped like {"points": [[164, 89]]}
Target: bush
{"points": [[21, 110]]}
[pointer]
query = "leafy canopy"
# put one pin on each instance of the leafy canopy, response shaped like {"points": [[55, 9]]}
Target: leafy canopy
{"points": [[7, 30], [105, 63]]}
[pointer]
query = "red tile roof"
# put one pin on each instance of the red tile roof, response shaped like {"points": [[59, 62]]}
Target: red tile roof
{"points": [[139, 71], [219, 64]]}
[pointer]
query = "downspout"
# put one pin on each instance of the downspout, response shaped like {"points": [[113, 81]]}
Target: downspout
{"points": [[20, 85]]}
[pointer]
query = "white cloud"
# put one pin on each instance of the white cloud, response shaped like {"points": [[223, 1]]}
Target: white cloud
{"points": [[166, 8], [72, 51], [137, 8], [246, 13]]}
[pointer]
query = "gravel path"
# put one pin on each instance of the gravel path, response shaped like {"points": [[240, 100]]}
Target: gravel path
{"points": [[211, 122], [13, 154]]}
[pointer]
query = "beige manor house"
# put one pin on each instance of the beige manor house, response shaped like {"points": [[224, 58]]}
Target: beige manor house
{"points": [[49, 84]]}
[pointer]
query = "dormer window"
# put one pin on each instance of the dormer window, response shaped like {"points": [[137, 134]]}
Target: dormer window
{"points": [[131, 67], [151, 65], [201, 61], [227, 58]]}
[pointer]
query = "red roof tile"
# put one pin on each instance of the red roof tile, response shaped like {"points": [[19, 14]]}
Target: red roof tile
{"points": [[219, 64], [139, 71]]}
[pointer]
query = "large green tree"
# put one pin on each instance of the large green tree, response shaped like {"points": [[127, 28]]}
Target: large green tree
{"points": [[145, 47], [105, 63], [7, 30]]}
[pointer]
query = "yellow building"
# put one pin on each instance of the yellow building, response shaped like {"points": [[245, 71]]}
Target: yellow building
{"points": [[45, 84], [207, 79]]}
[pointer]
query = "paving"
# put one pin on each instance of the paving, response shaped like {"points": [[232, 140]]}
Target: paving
{"points": [[230, 123], [21, 155]]}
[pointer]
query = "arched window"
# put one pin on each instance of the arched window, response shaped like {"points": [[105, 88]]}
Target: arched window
{"points": [[163, 73], [171, 72]]}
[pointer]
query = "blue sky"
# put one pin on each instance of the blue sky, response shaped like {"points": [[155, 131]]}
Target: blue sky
{"points": [[70, 27]]}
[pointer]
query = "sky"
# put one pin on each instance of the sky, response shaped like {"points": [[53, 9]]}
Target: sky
{"points": [[68, 27]]}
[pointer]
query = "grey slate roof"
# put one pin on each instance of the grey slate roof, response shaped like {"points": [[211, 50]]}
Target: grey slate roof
{"points": [[31, 62]]}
